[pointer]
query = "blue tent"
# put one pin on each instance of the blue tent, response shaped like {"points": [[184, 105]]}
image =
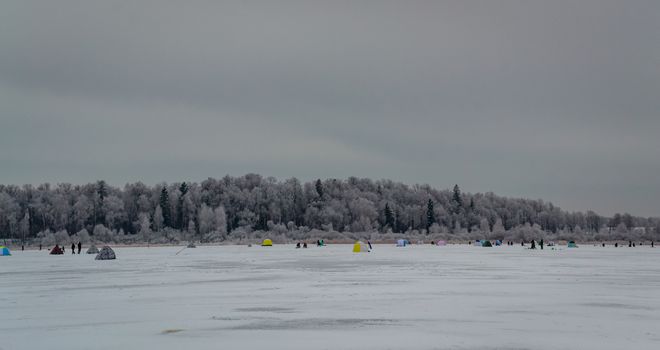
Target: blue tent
{"points": [[498, 242], [4, 251], [401, 243]]}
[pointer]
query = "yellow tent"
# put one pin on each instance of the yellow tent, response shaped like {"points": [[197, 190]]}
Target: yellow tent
{"points": [[267, 243], [360, 247]]}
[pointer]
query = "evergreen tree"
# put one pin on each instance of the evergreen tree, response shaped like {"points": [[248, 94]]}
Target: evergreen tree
{"points": [[389, 217], [319, 187], [430, 214], [99, 211], [398, 225], [165, 207], [180, 219], [101, 189], [456, 198]]}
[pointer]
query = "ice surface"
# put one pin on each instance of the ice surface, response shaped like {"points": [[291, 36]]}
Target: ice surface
{"points": [[417, 297]]}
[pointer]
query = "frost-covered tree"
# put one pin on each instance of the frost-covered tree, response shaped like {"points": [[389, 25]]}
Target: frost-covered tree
{"points": [[83, 236], [484, 226], [498, 229], [158, 219], [145, 224], [220, 219], [24, 227], [206, 220], [252, 202]]}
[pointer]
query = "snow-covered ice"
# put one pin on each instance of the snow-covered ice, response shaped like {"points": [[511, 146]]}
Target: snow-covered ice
{"points": [[417, 297]]}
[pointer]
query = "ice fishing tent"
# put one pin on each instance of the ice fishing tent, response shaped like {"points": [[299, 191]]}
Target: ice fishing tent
{"points": [[4, 251], [267, 243], [486, 244], [56, 250], [93, 250], [442, 243], [360, 247], [571, 244], [401, 243], [498, 242], [478, 243], [106, 253]]}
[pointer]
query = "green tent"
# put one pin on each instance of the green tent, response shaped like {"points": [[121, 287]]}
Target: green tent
{"points": [[571, 244], [486, 244]]}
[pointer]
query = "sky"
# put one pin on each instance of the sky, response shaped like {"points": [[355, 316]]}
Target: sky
{"points": [[557, 99]]}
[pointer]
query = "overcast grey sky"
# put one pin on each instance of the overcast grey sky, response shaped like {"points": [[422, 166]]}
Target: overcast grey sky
{"points": [[556, 99]]}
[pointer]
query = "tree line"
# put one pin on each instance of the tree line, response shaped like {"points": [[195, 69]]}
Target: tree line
{"points": [[217, 209]]}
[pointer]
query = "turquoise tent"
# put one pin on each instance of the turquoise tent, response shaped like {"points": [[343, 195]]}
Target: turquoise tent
{"points": [[4, 251], [571, 244]]}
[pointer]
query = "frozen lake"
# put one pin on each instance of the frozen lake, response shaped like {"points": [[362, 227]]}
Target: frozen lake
{"points": [[417, 297]]}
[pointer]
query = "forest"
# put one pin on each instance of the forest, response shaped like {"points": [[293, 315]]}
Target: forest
{"points": [[233, 209]]}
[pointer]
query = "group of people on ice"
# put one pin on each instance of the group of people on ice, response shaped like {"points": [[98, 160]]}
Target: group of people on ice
{"points": [[62, 250]]}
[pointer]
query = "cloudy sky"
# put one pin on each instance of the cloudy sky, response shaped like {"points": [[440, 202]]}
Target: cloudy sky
{"points": [[556, 99]]}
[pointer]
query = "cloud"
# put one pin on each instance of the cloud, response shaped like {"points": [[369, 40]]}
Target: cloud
{"points": [[554, 100]]}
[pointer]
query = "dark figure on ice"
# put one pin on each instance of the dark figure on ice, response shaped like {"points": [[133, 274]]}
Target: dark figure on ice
{"points": [[629, 244], [369, 243], [73, 248], [39, 246], [616, 245], [533, 245], [633, 245], [603, 244], [305, 245], [522, 243], [541, 244], [652, 244], [79, 247], [298, 245]]}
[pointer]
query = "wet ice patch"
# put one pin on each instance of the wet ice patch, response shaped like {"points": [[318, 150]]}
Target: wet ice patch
{"points": [[317, 323], [266, 309]]}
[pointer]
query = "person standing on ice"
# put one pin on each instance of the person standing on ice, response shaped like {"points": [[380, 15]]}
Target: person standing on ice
{"points": [[541, 243], [533, 245], [73, 248], [79, 247]]}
